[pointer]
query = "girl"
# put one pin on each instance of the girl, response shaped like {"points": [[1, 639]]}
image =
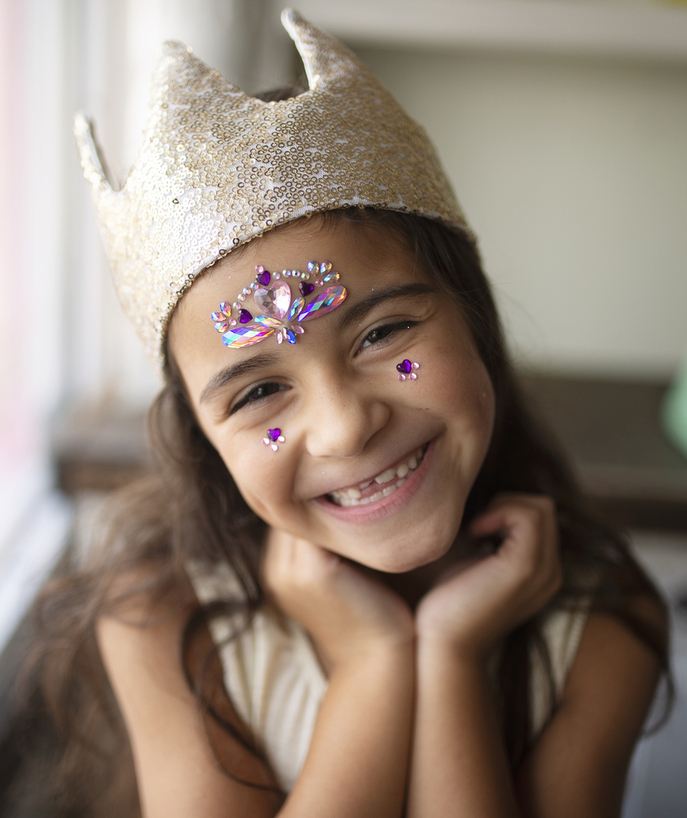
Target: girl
{"points": [[361, 581]]}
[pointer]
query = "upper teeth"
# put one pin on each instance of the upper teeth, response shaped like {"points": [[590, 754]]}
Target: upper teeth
{"points": [[353, 494]]}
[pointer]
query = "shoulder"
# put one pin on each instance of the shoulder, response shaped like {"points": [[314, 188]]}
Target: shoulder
{"points": [[578, 765], [181, 755]]}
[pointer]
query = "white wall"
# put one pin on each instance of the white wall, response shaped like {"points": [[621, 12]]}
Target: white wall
{"points": [[572, 169], [573, 172]]}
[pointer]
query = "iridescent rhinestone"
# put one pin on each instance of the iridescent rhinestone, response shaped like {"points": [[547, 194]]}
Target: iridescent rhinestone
{"points": [[241, 297], [325, 301], [245, 336]]}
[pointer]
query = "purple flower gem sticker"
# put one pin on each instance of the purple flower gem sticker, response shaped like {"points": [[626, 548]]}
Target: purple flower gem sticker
{"points": [[273, 439], [406, 370]]}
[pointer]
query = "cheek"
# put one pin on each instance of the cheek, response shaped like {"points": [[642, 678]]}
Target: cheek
{"points": [[262, 476], [467, 391]]}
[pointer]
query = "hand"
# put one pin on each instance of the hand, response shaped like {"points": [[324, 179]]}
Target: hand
{"points": [[483, 599], [346, 612]]}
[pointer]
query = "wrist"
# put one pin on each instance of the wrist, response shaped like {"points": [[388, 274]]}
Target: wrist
{"points": [[436, 648], [390, 665]]}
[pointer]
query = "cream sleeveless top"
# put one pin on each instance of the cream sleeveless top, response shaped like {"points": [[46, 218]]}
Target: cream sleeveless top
{"points": [[276, 683]]}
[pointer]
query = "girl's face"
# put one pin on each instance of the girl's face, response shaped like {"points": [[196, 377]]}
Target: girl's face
{"points": [[371, 467]]}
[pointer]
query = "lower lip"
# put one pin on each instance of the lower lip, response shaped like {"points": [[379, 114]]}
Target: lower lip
{"points": [[387, 505]]}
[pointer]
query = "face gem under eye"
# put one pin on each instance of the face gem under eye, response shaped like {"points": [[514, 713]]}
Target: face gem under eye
{"points": [[280, 314], [273, 439], [406, 370]]}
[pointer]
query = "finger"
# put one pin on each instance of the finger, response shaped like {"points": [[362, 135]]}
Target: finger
{"points": [[521, 525]]}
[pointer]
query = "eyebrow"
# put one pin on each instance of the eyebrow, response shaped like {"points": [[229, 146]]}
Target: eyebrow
{"points": [[229, 373], [358, 311]]}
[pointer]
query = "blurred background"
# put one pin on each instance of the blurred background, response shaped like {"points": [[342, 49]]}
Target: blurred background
{"points": [[563, 127]]}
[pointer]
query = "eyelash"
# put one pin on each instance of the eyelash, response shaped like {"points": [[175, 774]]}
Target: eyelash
{"points": [[262, 391], [386, 331]]}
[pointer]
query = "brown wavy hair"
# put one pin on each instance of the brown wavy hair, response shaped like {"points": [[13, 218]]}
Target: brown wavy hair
{"points": [[190, 509]]}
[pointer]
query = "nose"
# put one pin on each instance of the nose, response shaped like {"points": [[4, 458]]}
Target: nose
{"points": [[343, 414]]}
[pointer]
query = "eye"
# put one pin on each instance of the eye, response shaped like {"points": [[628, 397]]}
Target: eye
{"points": [[385, 332], [256, 394]]}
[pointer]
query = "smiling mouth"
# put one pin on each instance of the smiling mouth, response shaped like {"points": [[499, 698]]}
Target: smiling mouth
{"points": [[380, 486]]}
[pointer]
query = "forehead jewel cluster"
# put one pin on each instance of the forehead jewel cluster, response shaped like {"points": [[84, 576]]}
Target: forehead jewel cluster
{"points": [[278, 313], [219, 167]]}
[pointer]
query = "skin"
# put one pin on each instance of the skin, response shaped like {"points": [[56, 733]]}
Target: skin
{"points": [[408, 725], [335, 393]]}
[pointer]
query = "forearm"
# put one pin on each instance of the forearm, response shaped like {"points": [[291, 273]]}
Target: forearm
{"points": [[358, 759], [459, 765]]}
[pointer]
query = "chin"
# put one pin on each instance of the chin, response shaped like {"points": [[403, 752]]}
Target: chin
{"points": [[400, 560]]}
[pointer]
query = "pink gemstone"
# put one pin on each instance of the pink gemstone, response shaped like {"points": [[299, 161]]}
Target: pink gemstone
{"points": [[274, 301], [404, 367]]}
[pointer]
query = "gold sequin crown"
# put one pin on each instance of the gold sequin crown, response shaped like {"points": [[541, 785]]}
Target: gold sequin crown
{"points": [[218, 168]]}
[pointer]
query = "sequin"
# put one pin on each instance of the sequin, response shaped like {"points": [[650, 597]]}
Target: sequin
{"points": [[218, 168]]}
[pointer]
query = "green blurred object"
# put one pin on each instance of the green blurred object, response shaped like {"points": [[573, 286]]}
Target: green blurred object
{"points": [[675, 411]]}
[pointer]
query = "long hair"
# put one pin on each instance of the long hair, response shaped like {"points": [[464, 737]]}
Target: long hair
{"points": [[190, 509]]}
